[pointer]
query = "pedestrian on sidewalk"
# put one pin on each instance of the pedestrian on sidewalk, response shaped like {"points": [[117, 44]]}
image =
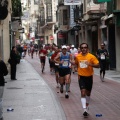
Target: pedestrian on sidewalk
{"points": [[102, 55], [3, 72], [64, 70], [13, 63], [85, 62]]}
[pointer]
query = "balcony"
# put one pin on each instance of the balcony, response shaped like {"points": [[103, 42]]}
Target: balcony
{"points": [[96, 8], [94, 11], [78, 13]]}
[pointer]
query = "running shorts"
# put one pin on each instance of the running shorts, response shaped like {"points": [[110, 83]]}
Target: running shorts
{"points": [[42, 60], [86, 82], [64, 71]]}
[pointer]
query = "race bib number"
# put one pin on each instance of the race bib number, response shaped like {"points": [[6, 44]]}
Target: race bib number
{"points": [[82, 64], [102, 57], [41, 54], [57, 64], [65, 63]]}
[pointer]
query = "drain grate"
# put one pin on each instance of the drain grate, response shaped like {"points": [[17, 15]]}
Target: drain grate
{"points": [[14, 88]]}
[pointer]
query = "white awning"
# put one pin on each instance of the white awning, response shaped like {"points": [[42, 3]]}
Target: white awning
{"points": [[110, 16], [104, 17]]}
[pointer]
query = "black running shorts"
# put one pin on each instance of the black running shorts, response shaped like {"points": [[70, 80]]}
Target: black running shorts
{"points": [[64, 71], [86, 82], [42, 60]]}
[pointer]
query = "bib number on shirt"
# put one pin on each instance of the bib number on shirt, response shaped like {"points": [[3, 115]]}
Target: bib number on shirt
{"points": [[82, 64], [42, 54], [102, 57], [65, 63]]}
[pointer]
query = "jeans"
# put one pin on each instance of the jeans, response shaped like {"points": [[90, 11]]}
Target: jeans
{"points": [[1, 100]]}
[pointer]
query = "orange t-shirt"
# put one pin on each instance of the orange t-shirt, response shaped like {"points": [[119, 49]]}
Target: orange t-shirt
{"points": [[83, 69]]}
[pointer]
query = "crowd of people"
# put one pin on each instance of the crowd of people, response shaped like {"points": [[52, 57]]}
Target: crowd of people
{"points": [[63, 61], [66, 59]]}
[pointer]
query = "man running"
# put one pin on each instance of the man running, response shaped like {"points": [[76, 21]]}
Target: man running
{"points": [[42, 56], [85, 62], [102, 55], [73, 51], [56, 65], [64, 70]]}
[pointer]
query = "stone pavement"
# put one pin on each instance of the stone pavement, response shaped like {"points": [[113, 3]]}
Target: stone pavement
{"points": [[105, 97], [30, 97], [34, 96]]}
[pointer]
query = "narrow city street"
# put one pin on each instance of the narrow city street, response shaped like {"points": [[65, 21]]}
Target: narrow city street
{"points": [[34, 96], [104, 99]]}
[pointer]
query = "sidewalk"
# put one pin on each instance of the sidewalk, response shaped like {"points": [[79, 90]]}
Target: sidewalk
{"points": [[30, 97], [34, 96], [110, 74]]}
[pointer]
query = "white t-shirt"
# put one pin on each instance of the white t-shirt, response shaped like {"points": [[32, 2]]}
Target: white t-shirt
{"points": [[73, 51]]}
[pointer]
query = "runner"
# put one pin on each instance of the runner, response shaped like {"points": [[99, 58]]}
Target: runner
{"points": [[73, 51], [85, 62], [50, 52], [42, 56], [32, 51], [102, 54], [36, 49], [56, 65], [64, 70]]}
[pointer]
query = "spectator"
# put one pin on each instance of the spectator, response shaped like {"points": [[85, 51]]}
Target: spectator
{"points": [[14, 61]]}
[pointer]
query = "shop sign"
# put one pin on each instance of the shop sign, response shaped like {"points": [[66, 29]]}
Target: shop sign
{"points": [[51, 38], [72, 2], [61, 35], [41, 39]]}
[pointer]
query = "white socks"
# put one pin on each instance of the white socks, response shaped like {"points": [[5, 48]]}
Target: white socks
{"points": [[83, 101]]}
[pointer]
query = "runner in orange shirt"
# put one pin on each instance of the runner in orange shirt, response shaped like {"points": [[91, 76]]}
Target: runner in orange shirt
{"points": [[85, 62]]}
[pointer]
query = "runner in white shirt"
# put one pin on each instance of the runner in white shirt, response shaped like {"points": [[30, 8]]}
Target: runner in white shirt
{"points": [[73, 51]]}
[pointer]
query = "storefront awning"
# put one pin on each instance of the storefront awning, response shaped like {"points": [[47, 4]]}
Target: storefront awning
{"points": [[104, 17], [47, 24]]}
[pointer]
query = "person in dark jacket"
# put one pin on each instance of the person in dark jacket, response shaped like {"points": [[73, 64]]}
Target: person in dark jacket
{"points": [[13, 63], [3, 72]]}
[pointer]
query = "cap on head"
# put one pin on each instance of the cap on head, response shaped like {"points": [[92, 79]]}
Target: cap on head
{"points": [[72, 46], [64, 46], [102, 44]]}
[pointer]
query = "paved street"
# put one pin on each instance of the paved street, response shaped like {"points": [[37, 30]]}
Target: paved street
{"points": [[34, 96]]}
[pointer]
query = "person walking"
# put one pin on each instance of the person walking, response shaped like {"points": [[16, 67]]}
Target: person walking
{"points": [[64, 58], [13, 63], [3, 72], [85, 62], [102, 55]]}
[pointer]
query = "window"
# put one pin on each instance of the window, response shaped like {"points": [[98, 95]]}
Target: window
{"points": [[36, 2], [49, 11], [65, 20]]}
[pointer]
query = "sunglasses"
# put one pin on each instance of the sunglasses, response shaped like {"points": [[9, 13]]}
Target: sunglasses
{"points": [[83, 47]]}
